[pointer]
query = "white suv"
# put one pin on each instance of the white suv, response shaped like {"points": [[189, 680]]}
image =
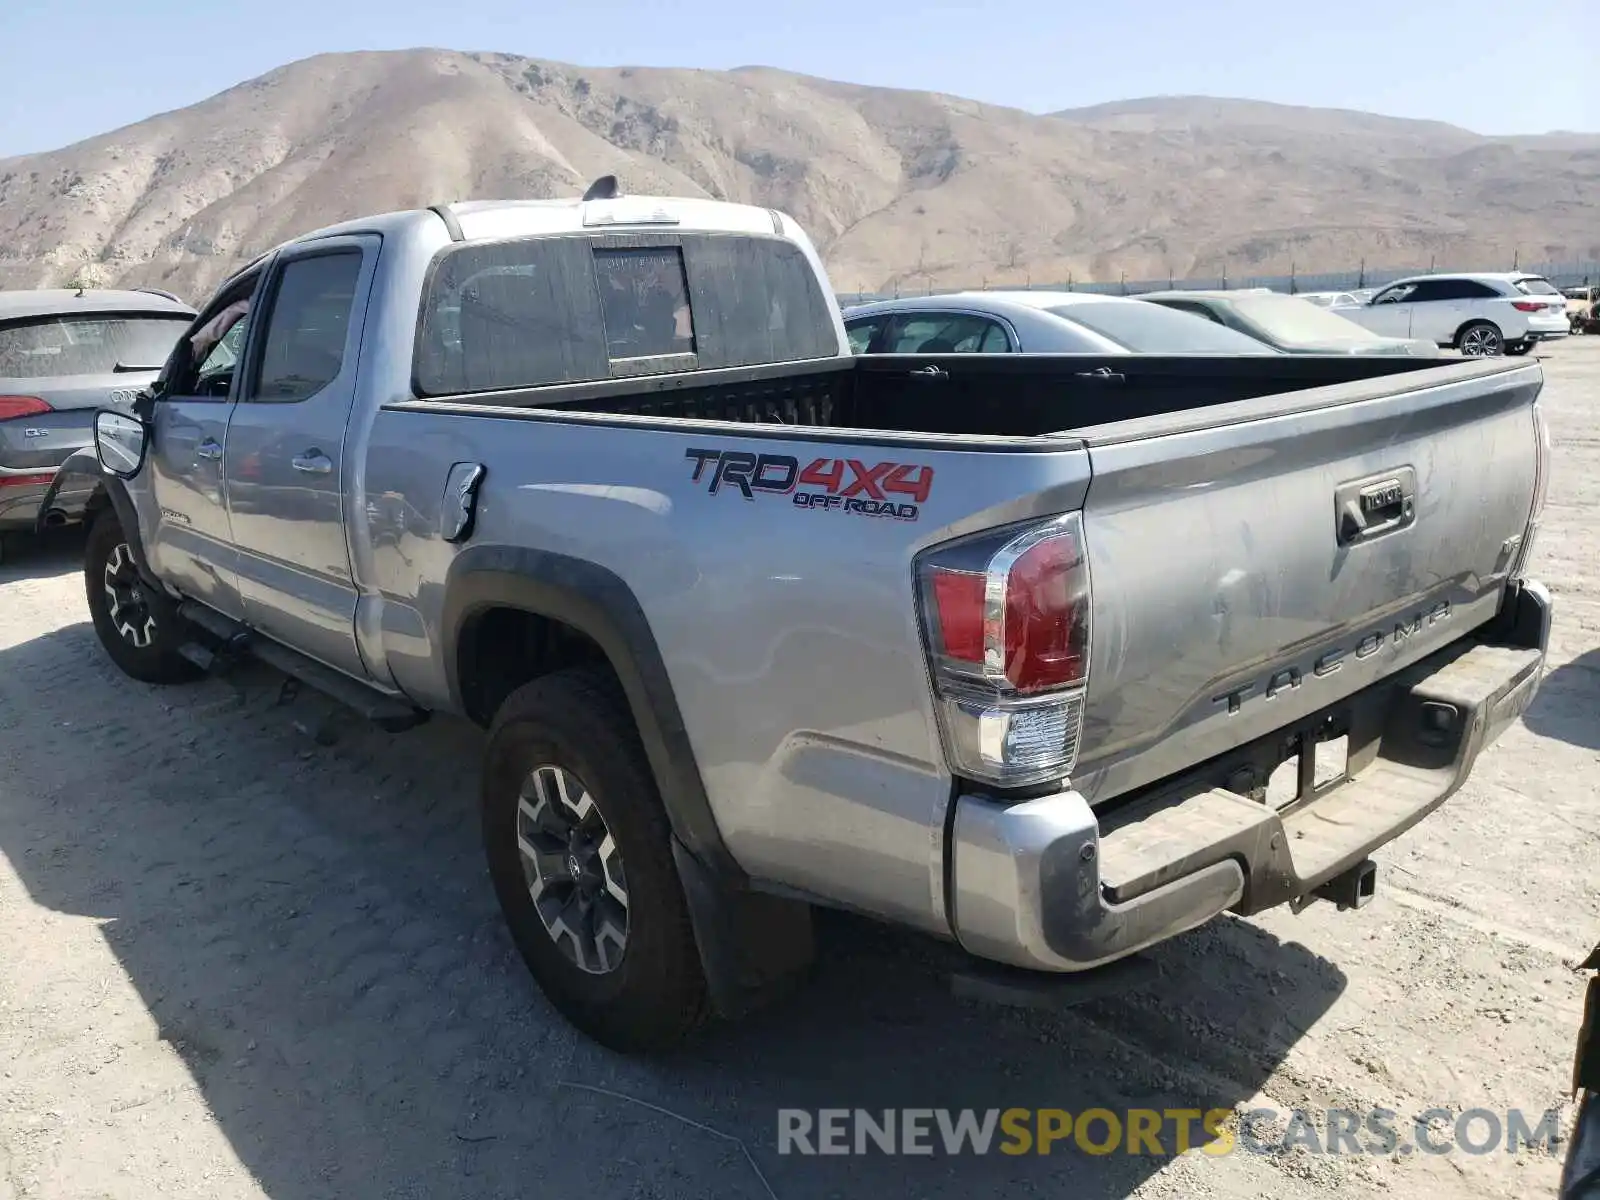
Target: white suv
{"points": [[1490, 313]]}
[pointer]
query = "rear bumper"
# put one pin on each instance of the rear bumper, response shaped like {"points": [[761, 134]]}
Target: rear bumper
{"points": [[31, 451], [1047, 885], [1544, 329], [23, 492]]}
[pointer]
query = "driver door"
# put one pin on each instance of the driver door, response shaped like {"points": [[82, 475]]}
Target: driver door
{"points": [[192, 542], [1390, 311]]}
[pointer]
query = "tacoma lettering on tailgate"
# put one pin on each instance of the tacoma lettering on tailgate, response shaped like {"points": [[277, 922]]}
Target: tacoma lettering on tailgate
{"points": [[828, 484]]}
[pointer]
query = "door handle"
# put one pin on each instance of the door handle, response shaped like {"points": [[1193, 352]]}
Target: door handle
{"points": [[1369, 507], [210, 448], [312, 462], [931, 372]]}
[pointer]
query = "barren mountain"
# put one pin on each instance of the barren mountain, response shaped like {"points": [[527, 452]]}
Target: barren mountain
{"points": [[897, 187]]}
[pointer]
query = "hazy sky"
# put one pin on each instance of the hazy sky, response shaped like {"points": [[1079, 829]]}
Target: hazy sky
{"points": [[74, 68]]}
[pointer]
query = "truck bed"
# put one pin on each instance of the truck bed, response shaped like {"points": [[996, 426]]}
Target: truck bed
{"points": [[966, 394]]}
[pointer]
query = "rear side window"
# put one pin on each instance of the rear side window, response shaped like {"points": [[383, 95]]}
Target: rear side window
{"points": [[572, 308], [1534, 286], [862, 332], [1451, 289], [307, 326], [1147, 328], [946, 333], [41, 348]]}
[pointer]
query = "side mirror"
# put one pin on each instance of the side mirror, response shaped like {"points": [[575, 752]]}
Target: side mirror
{"points": [[120, 441]]}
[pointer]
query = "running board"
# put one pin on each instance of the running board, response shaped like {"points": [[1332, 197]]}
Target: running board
{"points": [[390, 713]]}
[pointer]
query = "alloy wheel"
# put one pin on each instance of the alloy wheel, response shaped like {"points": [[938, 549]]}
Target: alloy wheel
{"points": [[573, 869], [128, 606], [1478, 343]]}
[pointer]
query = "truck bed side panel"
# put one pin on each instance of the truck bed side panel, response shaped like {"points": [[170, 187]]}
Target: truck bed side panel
{"points": [[788, 631]]}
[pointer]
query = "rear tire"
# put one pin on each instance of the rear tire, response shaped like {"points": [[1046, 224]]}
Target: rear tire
{"points": [[580, 855], [1480, 339], [138, 625]]}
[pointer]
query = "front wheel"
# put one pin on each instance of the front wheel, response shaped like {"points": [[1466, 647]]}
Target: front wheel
{"points": [[137, 624], [1480, 339], [580, 855]]}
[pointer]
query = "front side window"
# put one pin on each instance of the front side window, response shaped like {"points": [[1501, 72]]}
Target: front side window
{"points": [[1395, 295], [1430, 291], [306, 327], [50, 347], [208, 354]]}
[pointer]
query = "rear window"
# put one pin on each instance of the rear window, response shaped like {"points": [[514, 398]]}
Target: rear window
{"points": [[45, 347], [1534, 286], [1290, 321], [644, 298], [1147, 328], [577, 308]]}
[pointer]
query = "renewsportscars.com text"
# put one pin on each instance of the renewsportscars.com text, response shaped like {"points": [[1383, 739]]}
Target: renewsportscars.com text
{"points": [[1161, 1132]]}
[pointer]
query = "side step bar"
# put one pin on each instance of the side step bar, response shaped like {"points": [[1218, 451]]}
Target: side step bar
{"points": [[390, 713]]}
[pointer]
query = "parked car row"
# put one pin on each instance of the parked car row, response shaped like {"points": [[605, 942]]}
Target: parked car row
{"points": [[1476, 315]]}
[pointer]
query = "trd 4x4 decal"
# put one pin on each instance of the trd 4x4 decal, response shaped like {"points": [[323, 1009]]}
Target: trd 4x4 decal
{"points": [[843, 484]]}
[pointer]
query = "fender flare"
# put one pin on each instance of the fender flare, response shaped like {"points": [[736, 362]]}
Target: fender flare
{"points": [[597, 603], [83, 464]]}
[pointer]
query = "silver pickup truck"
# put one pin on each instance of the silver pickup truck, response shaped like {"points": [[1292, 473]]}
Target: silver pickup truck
{"points": [[1050, 656]]}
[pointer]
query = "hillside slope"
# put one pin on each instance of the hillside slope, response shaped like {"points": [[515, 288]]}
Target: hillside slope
{"points": [[897, 187]]}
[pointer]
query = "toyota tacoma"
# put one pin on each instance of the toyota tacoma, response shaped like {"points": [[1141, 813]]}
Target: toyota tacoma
{"points": [[1052, 657]]}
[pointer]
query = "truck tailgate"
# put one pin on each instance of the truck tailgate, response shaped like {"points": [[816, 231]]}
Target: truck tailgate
{"points": [[1254, 563]]}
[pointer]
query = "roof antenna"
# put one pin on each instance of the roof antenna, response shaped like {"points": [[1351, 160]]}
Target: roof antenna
{"points": [[604, 188]]}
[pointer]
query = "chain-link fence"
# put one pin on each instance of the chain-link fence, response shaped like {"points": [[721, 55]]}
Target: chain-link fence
{"points": [[1562, 274]]}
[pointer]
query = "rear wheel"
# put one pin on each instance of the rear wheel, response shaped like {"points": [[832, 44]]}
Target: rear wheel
{"points": [[1480, 339], [579, 851], [137, 624]]}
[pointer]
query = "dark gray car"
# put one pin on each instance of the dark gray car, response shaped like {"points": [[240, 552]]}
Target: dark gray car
{"points": [[64, 354]]}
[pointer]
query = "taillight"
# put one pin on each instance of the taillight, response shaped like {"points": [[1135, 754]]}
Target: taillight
{"points": [[21, 406], [1006, 617], [1528, 305]]}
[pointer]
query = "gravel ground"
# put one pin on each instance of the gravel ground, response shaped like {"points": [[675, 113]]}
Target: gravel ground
{"points": [[237, 961]]}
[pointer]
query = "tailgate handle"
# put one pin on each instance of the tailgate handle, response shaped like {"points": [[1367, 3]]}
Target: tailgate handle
{"points": [[1376, 505]]}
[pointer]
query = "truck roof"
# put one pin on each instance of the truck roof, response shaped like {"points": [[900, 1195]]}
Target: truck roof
{"points": [[529, 218]]}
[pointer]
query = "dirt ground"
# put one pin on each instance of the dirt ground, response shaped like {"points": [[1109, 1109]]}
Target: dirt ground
{"points": [[236, 961]]}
